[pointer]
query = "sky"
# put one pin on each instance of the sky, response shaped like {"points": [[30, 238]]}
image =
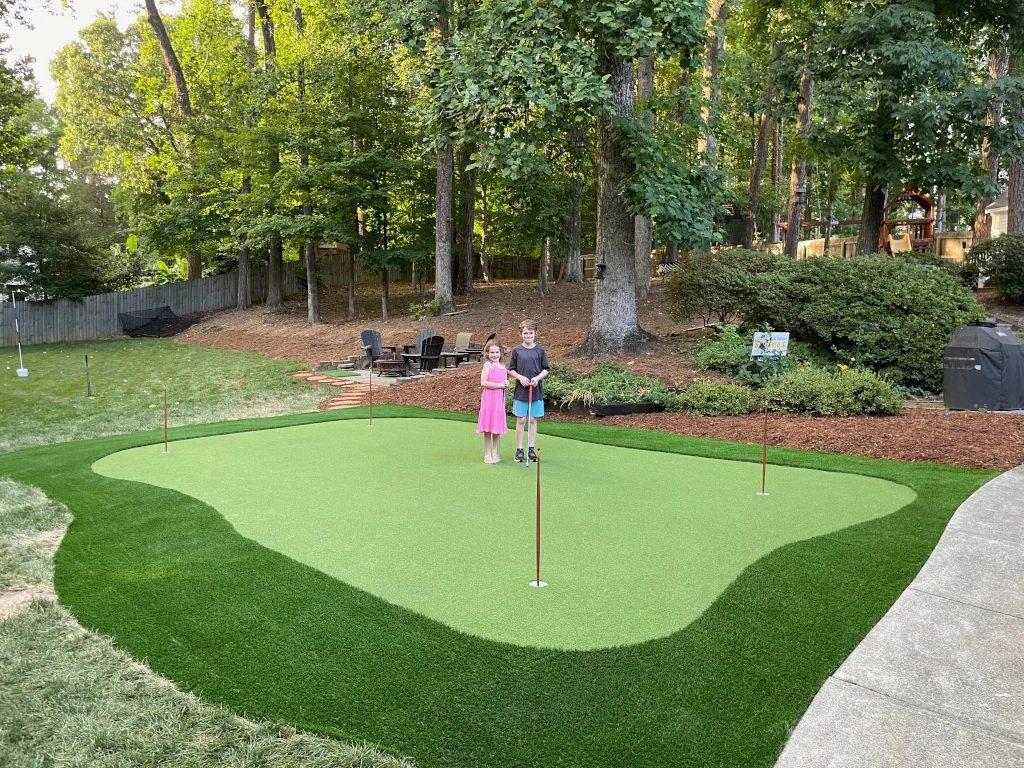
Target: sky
{"points": [[55, 27]]}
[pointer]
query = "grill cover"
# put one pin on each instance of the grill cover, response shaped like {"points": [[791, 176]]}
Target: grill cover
{"points": [[983, 367]]}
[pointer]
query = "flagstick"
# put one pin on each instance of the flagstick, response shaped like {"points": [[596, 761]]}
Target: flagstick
{"points": [[538, 582], [167, 447], [764, 451], [22, 371]]}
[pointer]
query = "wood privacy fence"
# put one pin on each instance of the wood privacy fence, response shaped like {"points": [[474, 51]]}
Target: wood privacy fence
{"points": [[95, 317]]}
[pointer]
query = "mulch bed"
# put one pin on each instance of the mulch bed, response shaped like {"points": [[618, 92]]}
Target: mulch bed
{"points": [[982, 440]]}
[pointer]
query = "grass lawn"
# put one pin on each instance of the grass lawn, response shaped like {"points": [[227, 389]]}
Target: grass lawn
{"points": [[69, 697], [174, 581], [128, 379]]}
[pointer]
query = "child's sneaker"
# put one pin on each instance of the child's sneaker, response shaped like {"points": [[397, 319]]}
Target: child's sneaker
{"points": [[519, 455], [532, 454]]}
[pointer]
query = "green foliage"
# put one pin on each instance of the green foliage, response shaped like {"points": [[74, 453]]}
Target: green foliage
{"points": [[1001, 260], [174, 272], [879, 312], [839, 392], [713, 398], [609, 383], [717, 287], [431, 309]]}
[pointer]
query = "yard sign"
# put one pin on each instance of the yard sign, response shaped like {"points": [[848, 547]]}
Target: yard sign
{"points": [[769, 345]]}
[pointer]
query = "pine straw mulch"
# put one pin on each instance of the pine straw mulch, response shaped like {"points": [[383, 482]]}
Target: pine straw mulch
{"points": [[982, 440]]}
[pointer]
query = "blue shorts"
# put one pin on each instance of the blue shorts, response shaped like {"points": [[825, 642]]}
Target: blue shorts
{"points": [[519, 408]]}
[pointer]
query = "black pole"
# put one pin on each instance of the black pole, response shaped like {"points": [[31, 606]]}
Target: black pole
{"points": [[88, 381]]}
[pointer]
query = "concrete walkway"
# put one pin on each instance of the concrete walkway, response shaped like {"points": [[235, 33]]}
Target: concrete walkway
{"points": [[939, 681]]}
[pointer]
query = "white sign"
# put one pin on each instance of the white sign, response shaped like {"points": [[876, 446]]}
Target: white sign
{"points": [[769, 345]]}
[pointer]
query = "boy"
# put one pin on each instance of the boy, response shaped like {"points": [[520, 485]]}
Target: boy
{"points": [[528, 365]]}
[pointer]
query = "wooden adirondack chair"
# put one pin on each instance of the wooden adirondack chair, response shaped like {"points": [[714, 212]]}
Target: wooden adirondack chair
{"points": [[429, 357]]}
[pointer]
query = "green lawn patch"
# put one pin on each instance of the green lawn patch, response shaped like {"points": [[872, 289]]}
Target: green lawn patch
{"points": [[409, 513], [176, 583], [128, 379]]}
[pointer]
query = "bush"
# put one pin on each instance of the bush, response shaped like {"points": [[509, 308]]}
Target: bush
{"points": [[880, 312], [728, 351], [1001, 260], [560, 382], [713, 398], [717, 286], [431, 309], [842, 392], [608, 383]]}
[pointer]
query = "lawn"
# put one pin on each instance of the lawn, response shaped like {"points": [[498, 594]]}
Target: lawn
{"points": [[274, 635], [128, 379]]}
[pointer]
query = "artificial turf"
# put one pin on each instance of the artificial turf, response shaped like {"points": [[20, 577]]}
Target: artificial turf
{"points": [[173, 582], [638, 544]]}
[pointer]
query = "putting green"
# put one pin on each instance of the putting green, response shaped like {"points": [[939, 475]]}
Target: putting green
{"points": [[637, 544]]}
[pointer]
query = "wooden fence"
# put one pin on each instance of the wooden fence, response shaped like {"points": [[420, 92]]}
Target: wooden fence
{"points": [[95, 317]]}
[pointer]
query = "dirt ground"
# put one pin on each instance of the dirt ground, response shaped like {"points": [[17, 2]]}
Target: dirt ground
{"points": [[984, 440]]}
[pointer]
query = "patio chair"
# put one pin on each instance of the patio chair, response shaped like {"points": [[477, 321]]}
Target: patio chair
{"points": [[372, 345], [421, 336], [464, 343], [429, 357]]}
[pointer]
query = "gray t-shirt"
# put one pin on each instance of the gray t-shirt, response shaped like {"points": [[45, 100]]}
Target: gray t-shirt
{"points": [[529, 363]]}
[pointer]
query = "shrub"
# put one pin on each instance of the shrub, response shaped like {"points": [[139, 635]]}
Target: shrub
{"points": [[713, 398], [880, 312], [608, 383], [560, 382], [431, 309], [717, 286], [842, 392], [1001, 260]]}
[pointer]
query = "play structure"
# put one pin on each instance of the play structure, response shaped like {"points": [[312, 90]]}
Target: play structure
{"points": [[908, 233]]}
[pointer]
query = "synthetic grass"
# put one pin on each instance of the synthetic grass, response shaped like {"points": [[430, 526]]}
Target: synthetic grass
{"points": [[128, 377], [408, 512], [175, 584]]}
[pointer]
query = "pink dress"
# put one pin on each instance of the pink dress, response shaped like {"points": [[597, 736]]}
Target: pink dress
{"points": [[492, 403]]}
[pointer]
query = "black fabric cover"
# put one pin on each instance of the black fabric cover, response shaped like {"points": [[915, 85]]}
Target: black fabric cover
{"points": [[983, 367], [155, 323]]}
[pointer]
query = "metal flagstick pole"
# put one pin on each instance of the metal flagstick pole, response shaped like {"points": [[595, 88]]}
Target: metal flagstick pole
{"points": [[167, 447], [22, 370], [764, 451], [369, 354], [538, 582]]}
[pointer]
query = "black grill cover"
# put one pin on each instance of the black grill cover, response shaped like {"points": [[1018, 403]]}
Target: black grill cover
{"points": [[983, 367]]}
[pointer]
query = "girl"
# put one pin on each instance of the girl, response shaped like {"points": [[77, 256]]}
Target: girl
{"points": [[491, 421]]}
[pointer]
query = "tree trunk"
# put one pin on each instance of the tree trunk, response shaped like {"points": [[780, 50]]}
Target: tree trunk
{"points": [[183, 106], [181, 98], [573, 271], [940, 214], [275, 266], [542, 268], [195, 265], [797, 179], [384, 284], [467, 209], [682, 100], [757, 171], [485, 266], [871, 219], [443, 230], [275, 271], [714, 44], [643, 226], [312, 289], [614, 328], [1015, 186], [1015, 197], [352, 250], [998, 66], [244, 298], [776, 175]]}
